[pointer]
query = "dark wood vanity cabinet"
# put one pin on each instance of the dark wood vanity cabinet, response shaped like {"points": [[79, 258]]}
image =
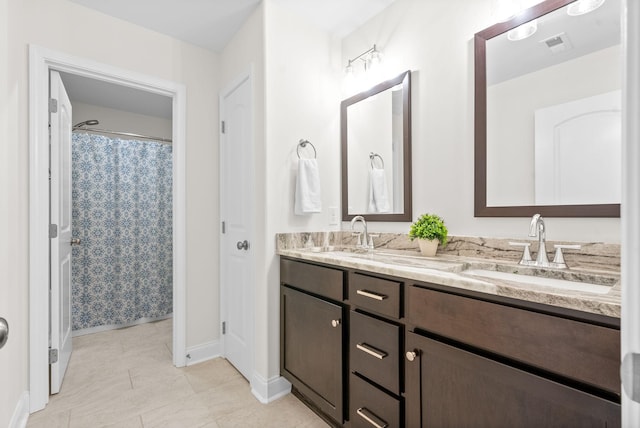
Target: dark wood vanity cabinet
{"points": [[475, 363], [371, 350], [312, 334], [451, 387], [375, 352]]}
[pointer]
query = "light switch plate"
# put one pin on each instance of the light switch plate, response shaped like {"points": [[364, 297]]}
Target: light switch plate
{"points": [[333, 216]]}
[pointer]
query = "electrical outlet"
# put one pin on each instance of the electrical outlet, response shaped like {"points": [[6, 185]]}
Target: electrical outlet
{"points": [[333, 216]]}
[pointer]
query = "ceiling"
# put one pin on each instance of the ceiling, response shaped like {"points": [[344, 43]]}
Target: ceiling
{"points": [[212, 23], [209, 24], [577, 36]]}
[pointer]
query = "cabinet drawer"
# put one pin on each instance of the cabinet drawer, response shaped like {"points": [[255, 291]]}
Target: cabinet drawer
{"points": [[372, 407], [375, 294], [319, 280], [374, 350], [578, 350]]}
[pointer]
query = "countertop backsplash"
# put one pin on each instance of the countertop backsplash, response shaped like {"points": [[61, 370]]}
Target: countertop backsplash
{"points": [[591, 255]]}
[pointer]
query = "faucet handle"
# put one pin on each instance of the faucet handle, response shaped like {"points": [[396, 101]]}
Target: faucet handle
{"points": [[526, 254], [371, 246], [558, 259], [358, 234]]}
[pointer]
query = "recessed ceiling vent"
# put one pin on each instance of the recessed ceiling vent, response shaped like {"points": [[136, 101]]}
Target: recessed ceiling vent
{"points": [[558, 43]]}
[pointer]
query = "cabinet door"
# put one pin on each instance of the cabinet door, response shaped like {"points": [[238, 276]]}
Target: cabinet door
{"points": [[450, 387], [311, 349]]}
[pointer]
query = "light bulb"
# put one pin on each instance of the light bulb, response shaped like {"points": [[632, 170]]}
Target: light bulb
{"points": [[523, 31], [581, 7]]}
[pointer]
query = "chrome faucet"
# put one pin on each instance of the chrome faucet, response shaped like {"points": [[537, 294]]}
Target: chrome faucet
{"points": [[365, 242], [537, 227]]}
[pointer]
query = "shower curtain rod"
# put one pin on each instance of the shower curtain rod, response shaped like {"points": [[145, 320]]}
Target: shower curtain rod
{"points": [[126, 134]]}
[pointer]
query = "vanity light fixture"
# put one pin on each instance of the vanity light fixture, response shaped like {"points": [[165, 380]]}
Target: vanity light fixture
{"points": [[580, 7], [370, 58]]}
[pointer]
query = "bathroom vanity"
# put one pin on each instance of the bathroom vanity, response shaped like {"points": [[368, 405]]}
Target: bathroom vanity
{"points": [[386, 339]]}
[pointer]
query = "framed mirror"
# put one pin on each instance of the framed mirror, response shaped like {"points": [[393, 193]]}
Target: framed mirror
{"points": [[548, 112], [375, 133]]}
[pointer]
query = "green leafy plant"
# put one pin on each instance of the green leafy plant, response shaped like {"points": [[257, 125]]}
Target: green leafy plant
{"points": [[429, 226]]}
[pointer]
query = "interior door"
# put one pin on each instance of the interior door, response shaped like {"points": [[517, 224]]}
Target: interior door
{"points": [[236, 264], [578, 151], [60, 242]]}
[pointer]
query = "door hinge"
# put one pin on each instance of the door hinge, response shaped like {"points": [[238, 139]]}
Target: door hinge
{"points": [[53, 356], [222, 126], [224, 227], [53, 105], [53, 231], [224, 327]]}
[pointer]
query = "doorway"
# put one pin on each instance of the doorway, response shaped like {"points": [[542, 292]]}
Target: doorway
{"points": [[42, 61]]}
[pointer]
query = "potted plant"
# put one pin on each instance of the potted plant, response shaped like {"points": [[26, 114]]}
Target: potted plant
{"points": [[430, 230]]}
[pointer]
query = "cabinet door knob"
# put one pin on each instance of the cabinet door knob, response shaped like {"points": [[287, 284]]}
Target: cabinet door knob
{"points": [[335, 323], [411, 355]]}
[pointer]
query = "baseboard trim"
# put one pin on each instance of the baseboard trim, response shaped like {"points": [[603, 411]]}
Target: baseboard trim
{"points": [[21, 412], [270, 390], [203, 352]]}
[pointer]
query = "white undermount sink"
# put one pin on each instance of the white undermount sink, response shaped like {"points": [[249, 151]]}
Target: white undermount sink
{"points": [[540, 281]]}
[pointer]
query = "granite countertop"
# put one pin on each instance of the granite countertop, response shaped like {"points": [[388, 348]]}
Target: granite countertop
{"points": [[461, 272]]}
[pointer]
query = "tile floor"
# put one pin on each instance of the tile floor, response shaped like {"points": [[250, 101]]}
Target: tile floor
{"points": [[125, 378]]}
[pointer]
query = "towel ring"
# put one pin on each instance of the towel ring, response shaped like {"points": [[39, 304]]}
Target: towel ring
{"points": [[303, 143], [373, 156]]}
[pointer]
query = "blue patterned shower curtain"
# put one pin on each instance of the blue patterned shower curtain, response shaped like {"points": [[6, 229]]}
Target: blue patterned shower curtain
{"points": [[122, 212]]}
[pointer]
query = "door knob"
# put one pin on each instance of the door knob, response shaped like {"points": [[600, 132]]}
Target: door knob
{"points": [[4, 331], [411, 355], [335, 323], [75, 241], [243, 245]]}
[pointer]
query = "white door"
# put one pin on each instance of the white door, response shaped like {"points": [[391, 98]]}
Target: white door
{"points": [[60, 217], [578, 151], [237, 215], [630, 219]]}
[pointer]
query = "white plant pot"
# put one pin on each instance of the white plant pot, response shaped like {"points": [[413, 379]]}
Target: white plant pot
{"points": [[428, 247]]}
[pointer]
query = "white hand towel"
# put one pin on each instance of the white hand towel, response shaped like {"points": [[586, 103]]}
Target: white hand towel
{"points": [[307, 197], [378, 199]]}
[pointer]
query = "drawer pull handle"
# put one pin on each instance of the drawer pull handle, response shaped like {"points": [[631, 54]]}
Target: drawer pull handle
{"points": [[368, 416], [371, 295], [371, 350]]}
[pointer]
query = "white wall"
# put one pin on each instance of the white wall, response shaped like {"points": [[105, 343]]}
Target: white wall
{"points": [[435, 40], [302, 101], [73, 29], [122, 121]]}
